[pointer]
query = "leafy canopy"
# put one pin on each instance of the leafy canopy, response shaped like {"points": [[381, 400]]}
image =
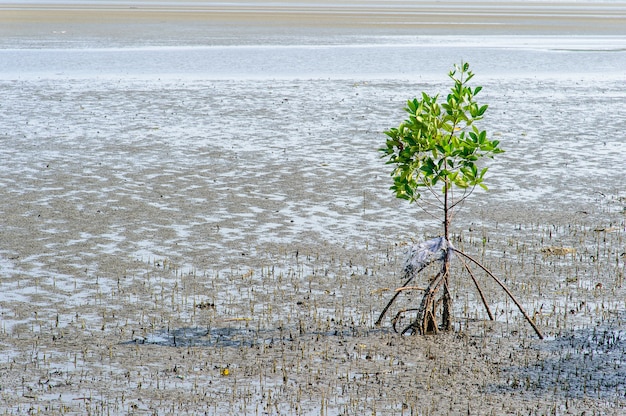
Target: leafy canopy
{"points": [[439, 143]]}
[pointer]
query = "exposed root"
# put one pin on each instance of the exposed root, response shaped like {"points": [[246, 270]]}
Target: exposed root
{"points": [[400, 289], [478, 288], [503, 286], [426, 319], [396, 318], [411, 275]]}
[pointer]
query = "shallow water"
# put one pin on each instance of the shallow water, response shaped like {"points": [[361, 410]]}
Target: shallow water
{"points": [[359, 58]]}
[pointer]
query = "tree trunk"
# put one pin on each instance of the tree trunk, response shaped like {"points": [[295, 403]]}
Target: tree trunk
{"points": [[446, 314]]}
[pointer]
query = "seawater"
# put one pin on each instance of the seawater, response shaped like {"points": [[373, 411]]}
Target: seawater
{"points": [[388, 58]]}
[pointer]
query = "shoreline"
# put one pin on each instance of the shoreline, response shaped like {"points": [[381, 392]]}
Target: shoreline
{"points": [[494, 58], [214, 19]]}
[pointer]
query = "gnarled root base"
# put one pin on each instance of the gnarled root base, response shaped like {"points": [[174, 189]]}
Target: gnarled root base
{"points": [[426, 319]]}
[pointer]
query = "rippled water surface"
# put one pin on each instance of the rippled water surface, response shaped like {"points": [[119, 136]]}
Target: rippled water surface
{"points": [[410, 58]]}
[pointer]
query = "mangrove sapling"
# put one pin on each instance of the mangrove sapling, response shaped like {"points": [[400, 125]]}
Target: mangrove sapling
{"points": [[436, 154]]}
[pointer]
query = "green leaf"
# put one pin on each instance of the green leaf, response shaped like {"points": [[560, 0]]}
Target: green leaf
{"points": [[440, 142]]}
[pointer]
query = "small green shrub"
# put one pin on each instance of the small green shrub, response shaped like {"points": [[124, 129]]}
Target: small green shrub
{"points": [[436, 154]]}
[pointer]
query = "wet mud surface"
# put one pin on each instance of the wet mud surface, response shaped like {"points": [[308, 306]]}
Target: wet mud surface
{"points": [[227, 246]]}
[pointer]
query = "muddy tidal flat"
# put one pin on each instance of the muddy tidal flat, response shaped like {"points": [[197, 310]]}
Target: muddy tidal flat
{"points": [[194, 218]]}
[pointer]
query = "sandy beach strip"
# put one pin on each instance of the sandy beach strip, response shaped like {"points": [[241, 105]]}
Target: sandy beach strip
{"points": [[565, 18]]}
